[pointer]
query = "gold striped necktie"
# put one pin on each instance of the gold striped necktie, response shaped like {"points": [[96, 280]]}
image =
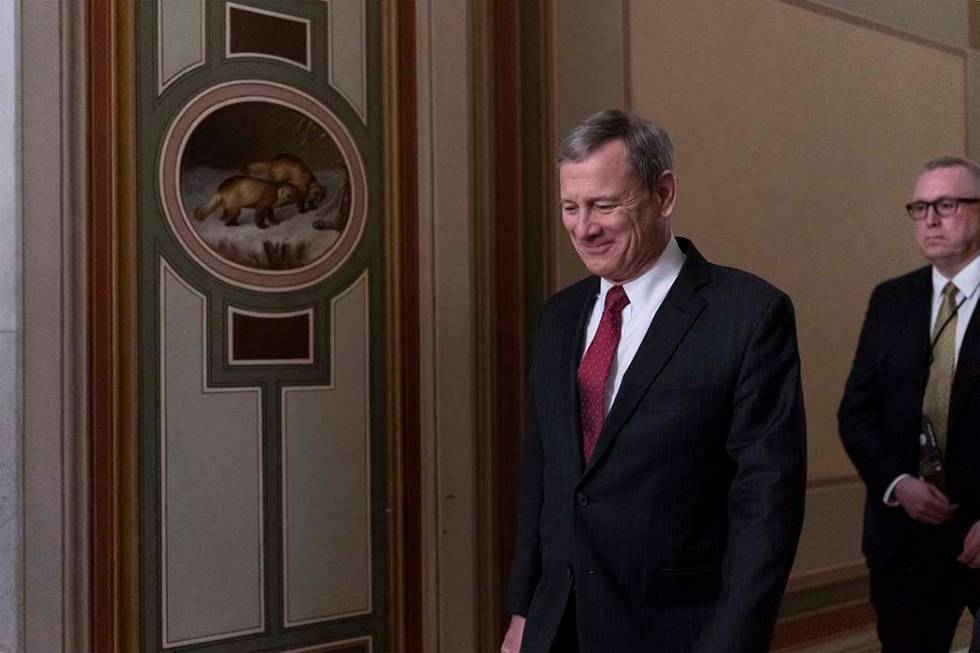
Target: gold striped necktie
{"points": [[935, 404]]}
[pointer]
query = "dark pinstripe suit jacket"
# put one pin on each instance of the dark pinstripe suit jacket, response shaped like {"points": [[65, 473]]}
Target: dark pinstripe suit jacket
{"points": [[680, 534]]}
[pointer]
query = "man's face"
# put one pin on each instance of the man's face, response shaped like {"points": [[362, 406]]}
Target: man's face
{"points": [[617, 226], [948, 243]]}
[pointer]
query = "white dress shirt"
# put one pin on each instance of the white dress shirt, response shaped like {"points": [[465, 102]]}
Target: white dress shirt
{"points": [[966, 281], [646, 294]]}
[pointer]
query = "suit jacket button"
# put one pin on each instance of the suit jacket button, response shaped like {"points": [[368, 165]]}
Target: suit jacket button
{"points": [[569, 571], [582, 499]]}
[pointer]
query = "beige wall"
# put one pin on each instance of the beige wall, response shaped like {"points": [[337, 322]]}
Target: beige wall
{"points": [[798, 135], [587, 39], [946, 21]]}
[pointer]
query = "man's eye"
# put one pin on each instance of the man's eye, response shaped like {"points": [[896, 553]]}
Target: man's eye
{"points": [[946, 204], [605, 207], [569, 208]]}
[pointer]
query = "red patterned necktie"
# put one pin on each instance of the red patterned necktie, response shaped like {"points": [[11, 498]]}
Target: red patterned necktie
{"points": [[594, 369]]}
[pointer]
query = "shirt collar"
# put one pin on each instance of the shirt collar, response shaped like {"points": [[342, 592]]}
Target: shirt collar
{"points": [[967, 280], [642, 290]]}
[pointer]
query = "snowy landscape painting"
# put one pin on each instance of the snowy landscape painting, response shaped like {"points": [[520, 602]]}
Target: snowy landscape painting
{"points": [[264, 186]]}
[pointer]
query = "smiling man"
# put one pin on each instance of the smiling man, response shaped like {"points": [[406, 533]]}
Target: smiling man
{"points": [[910, 419], [664, 451]]}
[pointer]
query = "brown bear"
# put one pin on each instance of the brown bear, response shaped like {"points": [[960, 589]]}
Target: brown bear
{"points": [[286, 168], [241, 192]]}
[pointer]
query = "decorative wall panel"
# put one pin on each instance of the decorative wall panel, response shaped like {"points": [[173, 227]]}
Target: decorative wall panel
{"points": [[326, 566], [210, 447], [348, 56], [181, 41], [260, 219], [256, 338]]}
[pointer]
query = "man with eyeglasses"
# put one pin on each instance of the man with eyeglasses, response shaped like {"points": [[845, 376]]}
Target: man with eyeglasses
{"points": [[910, 420]]}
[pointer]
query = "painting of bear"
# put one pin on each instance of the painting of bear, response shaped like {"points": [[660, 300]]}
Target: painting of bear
{"points": [[290, 169], [241, 192], [269, 143]]}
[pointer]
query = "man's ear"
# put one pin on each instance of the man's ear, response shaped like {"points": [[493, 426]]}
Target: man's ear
{"points": [[666, 191]]}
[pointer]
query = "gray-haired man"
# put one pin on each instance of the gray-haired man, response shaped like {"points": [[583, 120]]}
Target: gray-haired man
{"points": [[664, 458]]}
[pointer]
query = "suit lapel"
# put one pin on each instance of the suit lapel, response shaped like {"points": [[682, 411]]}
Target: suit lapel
{"points": [[967, 373], [919, 336], [681, 307]]}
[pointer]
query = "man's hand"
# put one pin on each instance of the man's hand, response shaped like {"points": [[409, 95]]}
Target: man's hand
{"points": [[514, 635], [971, 548], [924, 502]]}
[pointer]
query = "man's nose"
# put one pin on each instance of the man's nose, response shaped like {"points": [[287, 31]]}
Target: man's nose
{"points": [[932, 217], [586, 225]]}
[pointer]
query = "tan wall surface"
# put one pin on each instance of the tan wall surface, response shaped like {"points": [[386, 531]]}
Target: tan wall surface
{"points": [[973, 96], [943, 20], [587, 51], [798, 136]]}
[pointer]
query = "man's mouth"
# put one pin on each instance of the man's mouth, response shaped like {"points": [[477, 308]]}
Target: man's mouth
{"points": [[595, 248]]}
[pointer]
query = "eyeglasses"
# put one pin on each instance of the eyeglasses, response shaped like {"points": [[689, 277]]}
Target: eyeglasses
{"points": [[943, 207]]}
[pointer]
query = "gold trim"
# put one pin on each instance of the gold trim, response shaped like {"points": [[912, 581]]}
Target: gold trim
{"points": [[394, 317], [126, 337]]}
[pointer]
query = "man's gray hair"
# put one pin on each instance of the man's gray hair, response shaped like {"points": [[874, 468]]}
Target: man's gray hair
{"points": [[956, 162], [648, 145]]}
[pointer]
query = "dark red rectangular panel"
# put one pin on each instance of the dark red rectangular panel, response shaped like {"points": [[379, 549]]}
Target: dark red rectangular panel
{"points": [[266, 34], [270, 338]]}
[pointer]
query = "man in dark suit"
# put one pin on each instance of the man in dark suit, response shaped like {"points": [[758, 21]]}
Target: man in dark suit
{"points": [[919, 356], [663, 469]]}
